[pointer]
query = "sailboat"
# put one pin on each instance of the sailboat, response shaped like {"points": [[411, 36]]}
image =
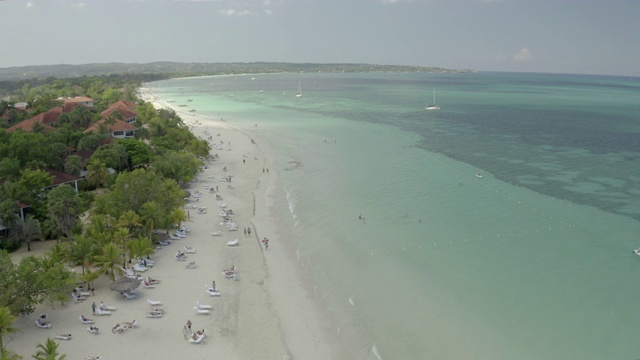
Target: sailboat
{"points": [[434, 106], [299, 93]]}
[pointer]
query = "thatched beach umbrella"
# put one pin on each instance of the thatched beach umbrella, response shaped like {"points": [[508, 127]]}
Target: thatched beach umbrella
{"points": [[124, 284]]}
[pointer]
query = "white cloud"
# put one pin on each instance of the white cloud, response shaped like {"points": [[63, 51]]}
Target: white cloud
{"points": [[232, 12], [79, 5], [524, 56]]}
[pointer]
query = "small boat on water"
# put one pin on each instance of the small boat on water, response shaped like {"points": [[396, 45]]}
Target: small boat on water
{"points": [[299, 92], [433, 106], [478, 176], [190, 100], [637, 251]]}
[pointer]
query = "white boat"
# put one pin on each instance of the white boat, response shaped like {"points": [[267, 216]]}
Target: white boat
{"points": [[433, 106], [299, 93], [636, 251]]}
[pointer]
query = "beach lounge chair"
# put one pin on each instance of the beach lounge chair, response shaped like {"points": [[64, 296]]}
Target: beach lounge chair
{"points": [[77, 298], [211, 291], [140, 268], [191, 265], [93, 358], [154, 315], [130, 324], [203, 307], [154, 302], [128, 272], [102, 312], [86, 320], [104, 306], [233, 242], [42, 324], [128, 295], [93, 330], [181, 256], [197, 340], [189, 250], [148, 285], [65, 337], [201, 311], [216, 233]]}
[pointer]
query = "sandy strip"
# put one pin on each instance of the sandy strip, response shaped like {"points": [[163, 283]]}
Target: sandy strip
{"points": [[265, 314]]}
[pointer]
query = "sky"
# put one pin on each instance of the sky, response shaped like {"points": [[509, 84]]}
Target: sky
{"points": [[557, 36]]}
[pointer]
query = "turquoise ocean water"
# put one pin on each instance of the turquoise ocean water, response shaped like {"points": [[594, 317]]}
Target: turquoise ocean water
{"points": [[500, 227]]}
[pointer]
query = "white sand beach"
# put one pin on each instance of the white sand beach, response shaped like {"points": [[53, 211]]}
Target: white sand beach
{"points": [[263, 314]]}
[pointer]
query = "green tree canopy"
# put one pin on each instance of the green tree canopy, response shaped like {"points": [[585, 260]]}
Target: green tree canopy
{"points": [[180, 166], [26, 230], [138, 152], [48, 351], [6, 326], [65, 206]]}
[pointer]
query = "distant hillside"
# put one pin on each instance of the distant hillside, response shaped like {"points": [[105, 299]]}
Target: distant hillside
{"points": [[174, 69]]}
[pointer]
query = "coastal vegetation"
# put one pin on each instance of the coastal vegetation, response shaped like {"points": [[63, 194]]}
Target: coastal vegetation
{"points": [[119, 74], [72, 181]]}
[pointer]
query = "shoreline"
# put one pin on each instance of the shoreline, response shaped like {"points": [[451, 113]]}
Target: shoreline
{"points": [[251, 320]]}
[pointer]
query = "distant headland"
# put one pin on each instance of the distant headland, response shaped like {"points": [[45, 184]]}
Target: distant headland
{"points": [[164, 70]]}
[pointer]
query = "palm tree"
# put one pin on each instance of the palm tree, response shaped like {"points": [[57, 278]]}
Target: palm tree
{"points": [[81, 251], [121, 235], [48, 351], [58, 253], [177, 216], [129, 219], [108, 260], [89, 277], [151, 215], [140, 247], [6, 321], [97, 173], [26, 230], [64, 207]]}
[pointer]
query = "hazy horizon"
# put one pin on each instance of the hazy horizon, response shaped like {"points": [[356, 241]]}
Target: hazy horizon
{"points": [[584, 37]]}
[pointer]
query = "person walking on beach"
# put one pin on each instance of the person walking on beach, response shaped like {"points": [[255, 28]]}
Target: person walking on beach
{"points": [[189, 325], [245, 232], [213, 285], [249, 231], [93, 307]]}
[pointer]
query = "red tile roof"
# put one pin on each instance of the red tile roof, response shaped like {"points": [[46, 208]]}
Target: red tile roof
{"points": [[118, 125], [27, 125], [46, 118], [62, 178], [121, 106]]}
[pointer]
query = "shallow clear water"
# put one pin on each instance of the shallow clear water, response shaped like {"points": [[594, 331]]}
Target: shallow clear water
{"points": [[532, 260]]}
